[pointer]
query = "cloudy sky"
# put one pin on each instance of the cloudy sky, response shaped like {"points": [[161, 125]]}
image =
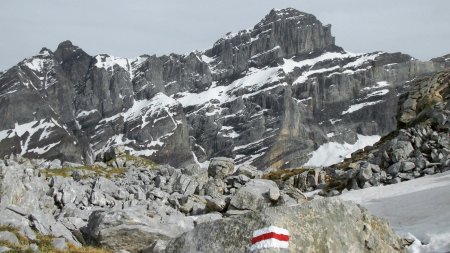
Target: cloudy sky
{"points": [[134, 27]]}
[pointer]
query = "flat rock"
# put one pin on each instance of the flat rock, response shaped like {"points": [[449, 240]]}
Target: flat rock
{"points": [[255, 195], [132, 229], [9, 237]]}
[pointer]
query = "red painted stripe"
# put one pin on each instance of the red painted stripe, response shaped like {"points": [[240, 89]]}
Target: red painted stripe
{"points": [[270, 235]]}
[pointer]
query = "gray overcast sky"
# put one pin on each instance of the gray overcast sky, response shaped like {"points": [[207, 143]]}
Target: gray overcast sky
{"points": [[134, 27]]}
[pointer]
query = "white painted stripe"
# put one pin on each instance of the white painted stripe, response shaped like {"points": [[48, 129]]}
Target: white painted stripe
{"points": [[270, 229], [269, 243]]}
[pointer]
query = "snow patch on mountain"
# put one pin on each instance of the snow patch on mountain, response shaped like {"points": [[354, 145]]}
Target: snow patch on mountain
{"points": [[253, 81], [356, 107], [30, 129], [145, 109], [362, 59], [377, 93], [333, 152], [290, 64], [108, 62], [38, 62], [381, 84]]}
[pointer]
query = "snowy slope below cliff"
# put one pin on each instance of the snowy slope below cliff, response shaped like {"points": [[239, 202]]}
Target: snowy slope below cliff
{"points": [[419, 207]]}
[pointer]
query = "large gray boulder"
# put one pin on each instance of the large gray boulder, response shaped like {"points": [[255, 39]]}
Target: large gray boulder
{"points": [[133, 229], [256, 195], [322, 225], [220, 167], [400, 150]]}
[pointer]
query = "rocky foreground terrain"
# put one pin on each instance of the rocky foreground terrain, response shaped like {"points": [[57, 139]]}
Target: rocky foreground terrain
{"points": [[129, 204], [193, 153]]}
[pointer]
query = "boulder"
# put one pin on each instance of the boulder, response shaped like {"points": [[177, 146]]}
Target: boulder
{"points": [[407, 166], [132, 229], [220, 167], [185, 184], [8, 237], [401, 150], [365, 172], [256, 195], [394, 169], [4, 249], [216, 204], [214, 188], [59, 243], [20, 221], [46, 224], [249, 171], [321, 225]]}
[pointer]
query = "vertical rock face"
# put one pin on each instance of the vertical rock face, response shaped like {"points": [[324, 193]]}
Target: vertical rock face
{"points": [[281, 34], [268, 96]]}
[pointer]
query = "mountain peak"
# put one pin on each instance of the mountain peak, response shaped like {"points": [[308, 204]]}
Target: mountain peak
{"points": [[66, 50], [45, 51], [276, 15], [287, 12], [66, 46]]}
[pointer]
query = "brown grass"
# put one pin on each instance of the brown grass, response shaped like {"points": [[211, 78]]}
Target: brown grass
{"points": [[285, 174], [44, 242], [95, 170], [138, 161]]}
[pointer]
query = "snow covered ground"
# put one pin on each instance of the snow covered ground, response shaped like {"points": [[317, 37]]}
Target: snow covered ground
{"points": [[419, 208], [333, 152]]}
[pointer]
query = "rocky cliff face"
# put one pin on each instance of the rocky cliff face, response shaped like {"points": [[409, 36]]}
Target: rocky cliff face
{"points": [[268, 96]]}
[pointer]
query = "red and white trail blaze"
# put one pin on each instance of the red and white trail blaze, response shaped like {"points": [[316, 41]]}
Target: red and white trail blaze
{"points": [[270, 237]]}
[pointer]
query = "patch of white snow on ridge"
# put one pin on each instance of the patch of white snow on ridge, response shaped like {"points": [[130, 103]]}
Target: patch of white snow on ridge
{"points": [[43, 150], [31, 128], [362, 59], [214, 92], [108, 61], [376, 94], [86, 113], [333, 152], [330, 135], [382, 84], [419, 207], [257, 78], [253, 81], [38, 62], [207, 59], [35, 64], [356, 107], [150, 108], [289, 64], [378, 85]]}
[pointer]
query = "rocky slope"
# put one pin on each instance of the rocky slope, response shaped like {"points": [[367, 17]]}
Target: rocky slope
{"points": [[267, 96], [133, 205], [420, 146]]}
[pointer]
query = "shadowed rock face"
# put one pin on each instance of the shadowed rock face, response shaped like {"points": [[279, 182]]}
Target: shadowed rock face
{"points": [[268, 96]]}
